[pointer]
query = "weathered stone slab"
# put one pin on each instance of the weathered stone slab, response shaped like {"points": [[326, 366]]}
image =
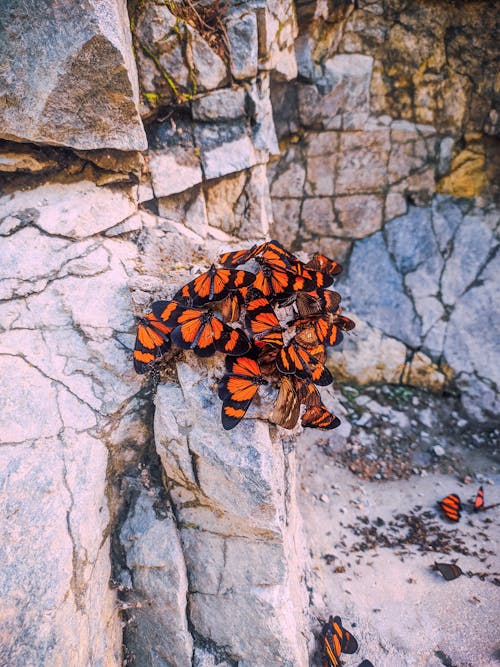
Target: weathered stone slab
{"points": [[156, 564], [75, 210], [241, 27], [375, 291], [84, 92], [174, 160], [228, 490]]}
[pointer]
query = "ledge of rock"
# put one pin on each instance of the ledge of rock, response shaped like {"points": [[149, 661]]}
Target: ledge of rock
{"points": [[83, 93]]}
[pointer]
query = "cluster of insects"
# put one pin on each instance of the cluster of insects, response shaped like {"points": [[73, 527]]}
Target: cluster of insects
{"points": [[202, 317], [334, 640]]}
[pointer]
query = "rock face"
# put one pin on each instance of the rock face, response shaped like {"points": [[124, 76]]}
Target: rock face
{"points": [[84, 92], [160, 536], [239, 533]]}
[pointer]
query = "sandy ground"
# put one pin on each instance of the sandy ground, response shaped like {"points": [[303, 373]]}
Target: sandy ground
{"points": [[401, 611]]}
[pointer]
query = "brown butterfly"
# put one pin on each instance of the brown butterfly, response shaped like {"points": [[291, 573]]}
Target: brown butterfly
{"points": [[296, 360], [287, 407], [321, 263]]}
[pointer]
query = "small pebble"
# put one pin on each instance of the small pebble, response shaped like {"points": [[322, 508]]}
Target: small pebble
{"points": [[324, 498], [438, 450]]}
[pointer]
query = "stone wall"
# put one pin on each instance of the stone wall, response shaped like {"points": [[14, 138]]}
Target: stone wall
{"points": [[133, 152]]}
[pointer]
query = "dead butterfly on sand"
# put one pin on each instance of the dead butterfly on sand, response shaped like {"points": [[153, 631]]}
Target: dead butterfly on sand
{"points": [[479, 505], [449, 571], [151, 343], [213, 285], [451, 507], [238, 388]]}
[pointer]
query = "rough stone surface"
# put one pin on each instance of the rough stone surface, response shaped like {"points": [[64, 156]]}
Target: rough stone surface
{"points": [[239, 534], [84, 94], [241, 28], [158, 584]]}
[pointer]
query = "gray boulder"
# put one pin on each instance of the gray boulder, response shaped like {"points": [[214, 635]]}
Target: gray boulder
{"points": [[81, 92]]}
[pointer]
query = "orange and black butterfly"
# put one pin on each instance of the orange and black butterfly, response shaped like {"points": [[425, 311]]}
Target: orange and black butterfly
{"points": [[307, 393], [237, 257], [336, 640], [323, 264], [317, 416], [317, 329], [317, 301], [269, 249], [312, 279], [287, 407], [200, 331], [151, 343], [479, 500], [261, 320], [267, 359], [296, 360], [238, 388], [479, 505], [213, 285], [451, 507], [449, 571]]}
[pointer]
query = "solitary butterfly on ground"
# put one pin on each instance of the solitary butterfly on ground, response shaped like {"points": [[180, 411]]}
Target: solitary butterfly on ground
{"points": [[151, 343], [451, 507], [213, 285], [449, 571], [238, 388]]}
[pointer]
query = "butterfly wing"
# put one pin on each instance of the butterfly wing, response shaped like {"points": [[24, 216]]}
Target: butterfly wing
{"points": [[261, 320], [449, 571], [349, 643], [324, 264], [238, 388]]}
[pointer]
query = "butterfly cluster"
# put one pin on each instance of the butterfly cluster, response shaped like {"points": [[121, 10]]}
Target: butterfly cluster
{"points": [[334, 640], [202, 317]]}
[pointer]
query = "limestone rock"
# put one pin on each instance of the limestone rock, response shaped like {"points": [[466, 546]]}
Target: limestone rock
{"points": [[84, 94], [75, 210], [224, 148], [31, 161], [239, 537], [370, 358], [241, 27], [158, 586], [240, 204], [225, 104], [375, 290], [174, 161]]}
